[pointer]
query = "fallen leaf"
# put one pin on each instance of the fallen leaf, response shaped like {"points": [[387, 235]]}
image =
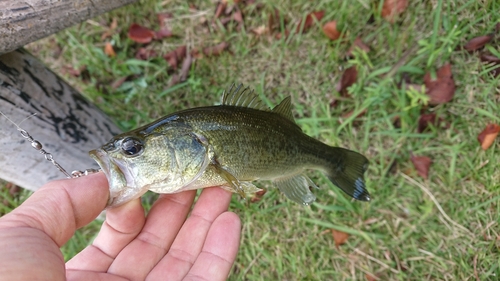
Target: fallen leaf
{"points": [[308, 22], [274, 20], [393, 8], [162, 17], [145, 54], [176, 56], [425, 120], [348, 78], [260, 30], [163, 33], [330, 30], [258, 195], [441, 89], [370, 277], [117, 83], [488, 135], [421, 164], [108, 50], [111, 29], [219, 10], [339, 237], [478, 42], [140, 34], [238, 16], [489, 58], [216, 50], [357, 44]]}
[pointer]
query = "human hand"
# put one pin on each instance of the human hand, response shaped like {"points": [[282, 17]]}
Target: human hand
{"points": [[162, 246]]}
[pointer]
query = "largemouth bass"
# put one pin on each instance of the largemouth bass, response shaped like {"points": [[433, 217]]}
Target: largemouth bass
{"points": [[231, 146]]}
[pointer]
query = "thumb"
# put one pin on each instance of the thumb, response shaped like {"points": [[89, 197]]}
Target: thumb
{"points": [[60, 207]]}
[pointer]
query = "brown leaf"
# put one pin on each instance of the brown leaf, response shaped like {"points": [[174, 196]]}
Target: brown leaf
{"points": [[442, 89], [117, 83], [349, 77], [339, 237], [330, 30], [370, 277], [421, 164], [162, 17], [145, 54], [308, 22], [357, 44], [176, 56], [111, 29], [216, 50], [140, 34], [489, 58], [258, 195], [478, 42], [260, 30], [393, 8], [163, 33], [425, 120], [221, 7], [488, 135], [238, 16], [108, 50]]}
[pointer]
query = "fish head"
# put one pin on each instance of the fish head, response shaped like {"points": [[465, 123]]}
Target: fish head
{"points": [[163, 162], [131, 164]]}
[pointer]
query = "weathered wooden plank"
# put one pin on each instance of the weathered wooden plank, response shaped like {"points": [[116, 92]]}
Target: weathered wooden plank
{"points": [[22, 22], [65, 123]]}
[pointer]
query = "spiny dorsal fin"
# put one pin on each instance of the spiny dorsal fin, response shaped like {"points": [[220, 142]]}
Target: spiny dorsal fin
{"points": [[243, 98], [285, 109]]}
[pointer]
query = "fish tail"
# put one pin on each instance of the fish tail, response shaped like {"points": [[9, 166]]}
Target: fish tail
{"points": [[346, 169]]}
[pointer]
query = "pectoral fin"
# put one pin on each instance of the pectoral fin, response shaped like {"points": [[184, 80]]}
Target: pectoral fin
{"points": [[234, 185], [296, 188]]}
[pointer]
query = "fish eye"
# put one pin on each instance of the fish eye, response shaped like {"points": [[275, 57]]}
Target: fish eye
{"points": [[131, 146]]}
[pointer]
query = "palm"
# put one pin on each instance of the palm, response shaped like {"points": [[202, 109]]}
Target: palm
{"points": [[163, 246]]}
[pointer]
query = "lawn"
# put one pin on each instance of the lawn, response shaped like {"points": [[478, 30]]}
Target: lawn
{"points": [[441, 227]]}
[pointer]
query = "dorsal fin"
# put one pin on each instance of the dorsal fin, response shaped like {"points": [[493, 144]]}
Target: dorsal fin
{"points": [[242, 98], [285, 109]]}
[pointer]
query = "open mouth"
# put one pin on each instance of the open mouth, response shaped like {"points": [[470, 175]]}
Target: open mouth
{"points": [[104, 162]]}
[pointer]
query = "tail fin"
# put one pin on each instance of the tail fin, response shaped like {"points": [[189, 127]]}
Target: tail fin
{"points": [[346, 172]]}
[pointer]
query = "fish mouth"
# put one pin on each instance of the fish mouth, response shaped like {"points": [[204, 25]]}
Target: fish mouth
{"points": [[116, 179]]}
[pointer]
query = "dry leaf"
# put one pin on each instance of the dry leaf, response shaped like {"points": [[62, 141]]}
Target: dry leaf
{"points": [[425, 120], [357, 44], [140, 34], [349, 77], [215, 50], [163, 33], [330, 30], [489, 58], [162, 17], [117, 83], [442, 89], [370, 277], [393, 8], [339, 237], [145, 54], [478, 42], [488, 135], [308, 22], [260, 30], [421, 164], [221, 7], [108, 50]]}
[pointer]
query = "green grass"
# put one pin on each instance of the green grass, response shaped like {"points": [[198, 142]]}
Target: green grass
{"points": [[413, 229]]}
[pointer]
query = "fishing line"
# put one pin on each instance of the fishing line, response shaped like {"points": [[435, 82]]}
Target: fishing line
{"points": [[48, 156]]}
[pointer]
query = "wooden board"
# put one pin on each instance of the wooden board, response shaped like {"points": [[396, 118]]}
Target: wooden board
{"points": [[66, 124], [23, 22]]}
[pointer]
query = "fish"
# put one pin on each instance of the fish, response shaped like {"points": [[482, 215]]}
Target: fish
{"points": [[230, 145]]}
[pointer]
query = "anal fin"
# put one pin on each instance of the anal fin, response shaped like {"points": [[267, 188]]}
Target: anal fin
{"points": [[296, 188]]}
